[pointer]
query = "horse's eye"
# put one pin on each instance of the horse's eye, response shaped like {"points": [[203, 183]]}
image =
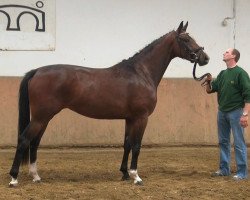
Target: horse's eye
{"points": [[185, 39]]}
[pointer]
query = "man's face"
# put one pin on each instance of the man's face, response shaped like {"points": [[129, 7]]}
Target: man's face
{"points": [[228, 55]]}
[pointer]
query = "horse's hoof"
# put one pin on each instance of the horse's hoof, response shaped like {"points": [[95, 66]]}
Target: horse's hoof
{"points": [[37, 180], [13, 183], [125, 178], [139, 183]]}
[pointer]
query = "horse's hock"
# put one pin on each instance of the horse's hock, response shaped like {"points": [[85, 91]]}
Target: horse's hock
{"points": [[184, 114]]}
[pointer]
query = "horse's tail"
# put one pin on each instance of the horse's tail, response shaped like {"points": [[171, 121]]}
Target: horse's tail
{"points": [[24, 110]]}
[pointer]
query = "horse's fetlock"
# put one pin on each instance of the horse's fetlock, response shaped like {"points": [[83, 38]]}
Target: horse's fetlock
{"points": [[13, 173]]}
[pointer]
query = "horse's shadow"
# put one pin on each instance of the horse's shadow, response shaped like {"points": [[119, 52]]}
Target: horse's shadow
{"points": [[79, 176]]}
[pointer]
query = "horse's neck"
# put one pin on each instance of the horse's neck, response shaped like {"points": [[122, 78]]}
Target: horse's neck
{"points": [[156, 61]]}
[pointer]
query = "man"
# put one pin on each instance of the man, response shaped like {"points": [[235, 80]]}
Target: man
{"points": [[233, 89]]}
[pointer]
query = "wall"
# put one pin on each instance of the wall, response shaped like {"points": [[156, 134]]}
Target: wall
{"points": [[99, 34], [184, 114], [102, 33]]}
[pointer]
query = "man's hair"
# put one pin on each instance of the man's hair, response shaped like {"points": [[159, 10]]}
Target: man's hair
{"points": [[237, 55]]}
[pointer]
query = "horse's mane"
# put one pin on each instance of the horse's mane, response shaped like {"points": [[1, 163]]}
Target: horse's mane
{"points": [[147, 49]]}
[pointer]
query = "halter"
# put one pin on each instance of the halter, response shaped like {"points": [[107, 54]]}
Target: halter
{"points": [[192, 52], [193, 57]]}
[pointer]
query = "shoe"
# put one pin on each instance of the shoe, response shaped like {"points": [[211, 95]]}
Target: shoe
{"points": [[237, 178], [217, 173]]}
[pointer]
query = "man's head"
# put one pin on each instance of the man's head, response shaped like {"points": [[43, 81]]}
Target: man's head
{"points": [[231, 56]]}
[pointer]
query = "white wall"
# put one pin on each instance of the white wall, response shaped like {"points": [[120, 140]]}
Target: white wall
{"points": [[100, 33], [242, 32]]}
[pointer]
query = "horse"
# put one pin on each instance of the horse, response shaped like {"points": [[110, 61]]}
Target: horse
{"points": [[127, 90]]}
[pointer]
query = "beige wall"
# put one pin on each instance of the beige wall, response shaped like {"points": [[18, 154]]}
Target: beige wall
{"points": [[184, 114]]}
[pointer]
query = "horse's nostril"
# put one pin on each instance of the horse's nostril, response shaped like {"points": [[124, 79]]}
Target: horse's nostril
{"points": [[206, 60]]}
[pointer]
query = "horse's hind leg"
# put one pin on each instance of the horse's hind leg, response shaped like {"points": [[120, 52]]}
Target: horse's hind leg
{"points": [[31, 131], [127, 149], [33, 155], [23, 143]]}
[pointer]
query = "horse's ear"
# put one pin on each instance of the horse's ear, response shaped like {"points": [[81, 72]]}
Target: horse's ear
{"points": [[185, 27], [179, 30]]}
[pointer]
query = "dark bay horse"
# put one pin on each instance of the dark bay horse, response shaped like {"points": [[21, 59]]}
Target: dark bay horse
{"points": [[127, 90]]}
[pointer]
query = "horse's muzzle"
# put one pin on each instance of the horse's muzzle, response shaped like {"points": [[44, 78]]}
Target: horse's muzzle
{"points": [[202, 58]]}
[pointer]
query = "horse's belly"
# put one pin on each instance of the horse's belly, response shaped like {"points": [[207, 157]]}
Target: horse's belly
{"points": [[100, 109]]}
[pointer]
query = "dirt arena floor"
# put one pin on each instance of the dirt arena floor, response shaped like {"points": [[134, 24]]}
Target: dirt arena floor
{"points": [[93, 173]]}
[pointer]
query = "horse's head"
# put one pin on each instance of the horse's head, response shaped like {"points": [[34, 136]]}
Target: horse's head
{"points": [[187, 47]]}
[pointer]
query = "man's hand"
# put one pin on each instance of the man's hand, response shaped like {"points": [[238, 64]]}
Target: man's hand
{"points": [[244, 121], [207, 80], [207, 83]]}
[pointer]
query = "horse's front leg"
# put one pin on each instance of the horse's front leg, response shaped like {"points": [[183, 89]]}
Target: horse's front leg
{"points": [[133, 173], [127, 149], [138, 128], [124, 165]]}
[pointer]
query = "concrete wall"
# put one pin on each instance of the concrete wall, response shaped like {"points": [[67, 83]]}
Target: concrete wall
{"points": [[184, 114]]}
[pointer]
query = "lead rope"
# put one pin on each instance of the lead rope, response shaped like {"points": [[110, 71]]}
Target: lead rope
{"points": [[203, 76]]}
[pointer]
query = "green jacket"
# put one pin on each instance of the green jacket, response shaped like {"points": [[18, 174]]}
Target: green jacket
{"points": [[233, 88]]}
